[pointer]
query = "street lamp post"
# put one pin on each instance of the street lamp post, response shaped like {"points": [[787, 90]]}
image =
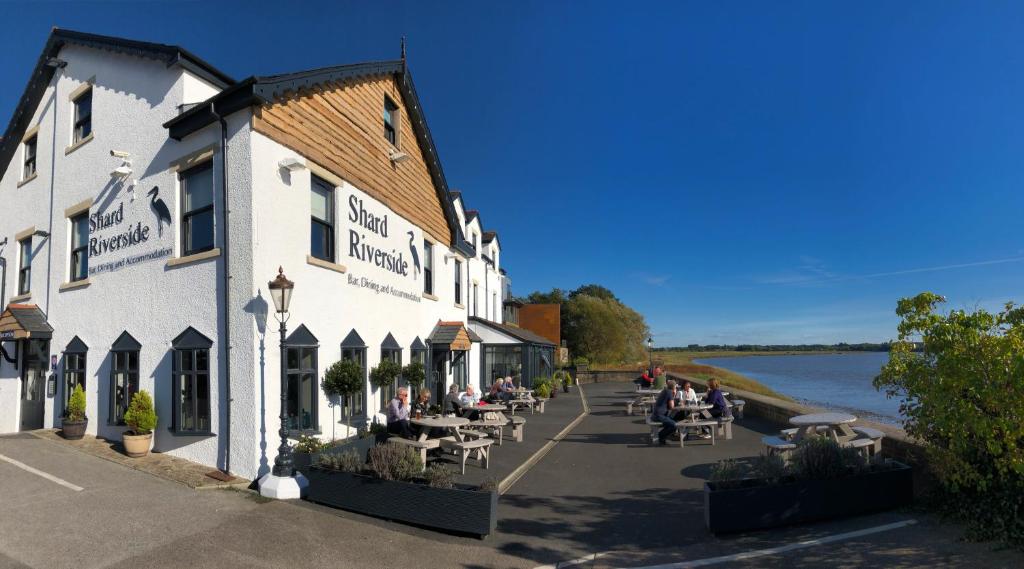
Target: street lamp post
{"points": [[650, 355], [282, 481]]}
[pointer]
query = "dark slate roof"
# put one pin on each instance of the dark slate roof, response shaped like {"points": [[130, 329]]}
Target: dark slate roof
{"points": [[76, 346], [31, 320], [446, 332], [43, 73], [390, 342], [302, 337], [418, 344], [126, 343], [471, 214], [489, 236], [455, 194], [514, 331], [191, 339], [353, 340], [473, 336], [259, 90]]}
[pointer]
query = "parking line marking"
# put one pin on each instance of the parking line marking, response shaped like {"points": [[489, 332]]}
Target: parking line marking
{"points": [[749, 554], [45, 475]]}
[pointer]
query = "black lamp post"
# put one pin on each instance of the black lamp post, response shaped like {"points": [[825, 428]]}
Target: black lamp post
{"points": [[281, 291], [650, 355]]}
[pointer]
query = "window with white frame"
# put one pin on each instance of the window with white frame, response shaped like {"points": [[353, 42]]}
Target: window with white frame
{"points": [[322, 220], [458, 281], [29, 167], [80, 247], [428, 267], [83, 116], [25, 265], [197, 209]]}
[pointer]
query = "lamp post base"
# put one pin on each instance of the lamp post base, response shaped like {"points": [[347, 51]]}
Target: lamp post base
{"points": [[283, 487]]}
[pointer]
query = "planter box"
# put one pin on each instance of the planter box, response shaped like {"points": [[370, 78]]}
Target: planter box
{"points": [[303, 461], [456, 510], [760, 507]]}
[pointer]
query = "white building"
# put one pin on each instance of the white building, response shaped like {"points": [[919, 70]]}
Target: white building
{"points": [[147, 199]]}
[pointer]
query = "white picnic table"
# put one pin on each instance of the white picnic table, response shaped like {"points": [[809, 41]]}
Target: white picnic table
{"points": [[450, 424], [649, 391], [837, 425]]}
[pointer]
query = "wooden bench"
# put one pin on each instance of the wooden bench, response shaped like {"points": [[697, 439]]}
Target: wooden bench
{"points": [[684, 427], [655, 427], [518, 427], [737, 407], [862, 445], [778, 445], [789, 434], [538, 404], [494, 427], [422, 446], [643, 402], [725, 427], [875, 435], [463, 449]]}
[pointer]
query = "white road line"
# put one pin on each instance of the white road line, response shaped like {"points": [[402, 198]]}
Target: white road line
{"points": [[45, 475], [749, 554]]}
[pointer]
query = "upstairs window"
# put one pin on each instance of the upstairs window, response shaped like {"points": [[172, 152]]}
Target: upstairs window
{"points": [[391, 121], [322, 224], [476, 299], [197, 209], [80, 247], [25, 266], [458, 281], [124, 376], [83, 117], [190, 383], [428, 267], [74, 368], [29, 168], [353, 348], [303, 396]]}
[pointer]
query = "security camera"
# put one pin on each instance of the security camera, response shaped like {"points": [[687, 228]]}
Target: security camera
{"points": [[120, 154]]}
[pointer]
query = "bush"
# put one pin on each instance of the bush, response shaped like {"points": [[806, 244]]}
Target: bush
{"points": [[562, 377], [141, 416], [580, 361], [395, 462], [727, 473], [385, 373], [490, 484], [348, 461], [542, 387], [819, 458], [769, 467], [76, 405], [309, 445], [962, 390], [439, 477], [414, 374], [343, 378]]}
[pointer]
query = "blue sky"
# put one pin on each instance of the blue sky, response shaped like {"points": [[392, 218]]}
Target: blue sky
{"points": [[775, 172]]}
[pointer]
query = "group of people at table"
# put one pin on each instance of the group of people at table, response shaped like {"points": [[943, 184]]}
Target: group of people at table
{"points": [[399, 411], [675, 404]]}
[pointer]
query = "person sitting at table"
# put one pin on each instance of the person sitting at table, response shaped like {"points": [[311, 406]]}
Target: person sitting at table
{"points": [[508, 389], [719, 406], [469, 400], [422, 403], [398, 414], [645, 381], [452, 403], [687, 394], [685, 397], [663, 406], [495, 393]]}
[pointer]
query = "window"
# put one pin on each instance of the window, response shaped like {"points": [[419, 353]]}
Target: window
{"points": [[29, 169], [428, 267], [124, 376], [191, 383], [322, 224], [459, 375], [391, 121], [80, 247], [474, 242], [458, 281], [390, 350], [303, 395], [25, 267], [83, 117], [197, 209], [418, 353], [353, 348], [74, 368], [503, 361], [476, 299], [494, 306]]}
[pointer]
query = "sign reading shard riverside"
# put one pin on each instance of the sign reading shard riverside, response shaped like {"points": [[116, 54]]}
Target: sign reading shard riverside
{"points": [[119, 237], [359, 248]]}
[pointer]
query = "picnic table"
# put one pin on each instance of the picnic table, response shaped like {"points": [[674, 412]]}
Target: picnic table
{"points": [[835, 425], [457, 442], [450, 424], [648, 391]]}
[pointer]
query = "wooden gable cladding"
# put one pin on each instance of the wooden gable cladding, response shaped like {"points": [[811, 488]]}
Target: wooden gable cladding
{"points": [[341, 128]]}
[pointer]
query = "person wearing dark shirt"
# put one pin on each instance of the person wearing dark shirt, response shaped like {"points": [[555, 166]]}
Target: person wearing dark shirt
{"points": [[663, 407], [452, 404], [714, 397]]}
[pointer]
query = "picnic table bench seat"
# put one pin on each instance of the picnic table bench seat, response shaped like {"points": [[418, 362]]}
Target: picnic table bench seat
{"points": [[655, 426], [518, 426], [791, 432], [778, 445], [421, 446], [463, 449], [875, 435], [725, 427], [685, 427], [491, 426], [862, 445], [643, 402], [737, 407]]}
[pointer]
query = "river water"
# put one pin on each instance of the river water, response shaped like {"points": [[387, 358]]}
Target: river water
{"points": [[832, 381]]}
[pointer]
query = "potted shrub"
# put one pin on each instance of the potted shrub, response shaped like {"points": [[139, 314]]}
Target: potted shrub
{"points": [[141, 417], [414, 374], [542, 388], [385, 373], [563, 378], [74, 423], [822, 481], [394, 486], [342, 380]]}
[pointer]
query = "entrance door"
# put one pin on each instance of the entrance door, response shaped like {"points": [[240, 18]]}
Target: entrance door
{"points": [[438, 376], [33, 383]]}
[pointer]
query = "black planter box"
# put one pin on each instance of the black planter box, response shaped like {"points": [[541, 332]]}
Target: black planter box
{"points": [[461, 511], [302, 461], [760, 507]]}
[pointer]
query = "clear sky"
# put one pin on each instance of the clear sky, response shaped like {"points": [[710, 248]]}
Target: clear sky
{"points": [[770, 172]]}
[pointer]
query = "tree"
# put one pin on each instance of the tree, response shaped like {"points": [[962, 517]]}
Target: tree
{"points": [[963, 394], [343, 379]]}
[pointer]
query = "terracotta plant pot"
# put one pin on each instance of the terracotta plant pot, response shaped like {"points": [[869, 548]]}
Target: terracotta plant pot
{"points": [[136, 446], [73, 430]]}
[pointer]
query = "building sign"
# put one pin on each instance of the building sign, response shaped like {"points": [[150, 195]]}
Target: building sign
{"points": [[381, 288], [371, 240], [120, 237]]}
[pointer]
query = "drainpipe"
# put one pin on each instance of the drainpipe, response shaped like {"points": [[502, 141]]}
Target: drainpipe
{"points": [[227, 288]]}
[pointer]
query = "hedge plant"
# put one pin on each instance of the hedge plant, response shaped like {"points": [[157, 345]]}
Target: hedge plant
{"points": [[343, 379], [960, 379], [385, 373], [141, 416], [76, 405], [415, 374]]}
